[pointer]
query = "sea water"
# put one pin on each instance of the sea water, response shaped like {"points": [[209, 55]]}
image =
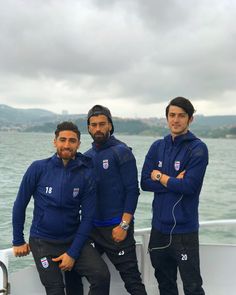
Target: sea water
{"points": [[217, 200]]}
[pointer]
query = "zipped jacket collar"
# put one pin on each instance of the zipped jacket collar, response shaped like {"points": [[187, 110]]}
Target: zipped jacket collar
{"points": [[111, 141], [80, 160], [187, 137]]}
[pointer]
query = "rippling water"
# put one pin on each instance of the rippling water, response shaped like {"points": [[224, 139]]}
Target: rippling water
{"points": [[18, 150]]}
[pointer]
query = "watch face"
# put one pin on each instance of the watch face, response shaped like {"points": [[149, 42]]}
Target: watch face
{"points": [[158, 176], [124, 225]]}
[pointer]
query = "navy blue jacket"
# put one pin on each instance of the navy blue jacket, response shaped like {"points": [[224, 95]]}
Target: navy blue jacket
{"points": [[64, 201], [188, 153], [117, 181]]}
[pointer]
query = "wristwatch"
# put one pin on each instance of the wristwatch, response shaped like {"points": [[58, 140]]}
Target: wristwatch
{"points": [[158, 176], [124, 225]]}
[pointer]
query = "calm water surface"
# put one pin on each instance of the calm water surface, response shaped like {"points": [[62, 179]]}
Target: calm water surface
{"points": [[18, 150]]}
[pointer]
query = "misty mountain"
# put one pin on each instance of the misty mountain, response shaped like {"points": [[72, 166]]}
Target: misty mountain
{"points": [[40, 120], [215, 121], [23, 116]]}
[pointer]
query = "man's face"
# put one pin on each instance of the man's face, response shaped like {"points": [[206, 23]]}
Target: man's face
{"points": [[99, 128], [66, 144], [178, 121]]}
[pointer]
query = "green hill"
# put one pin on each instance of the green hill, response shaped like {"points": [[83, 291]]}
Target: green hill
{"points": [[39, 120]]}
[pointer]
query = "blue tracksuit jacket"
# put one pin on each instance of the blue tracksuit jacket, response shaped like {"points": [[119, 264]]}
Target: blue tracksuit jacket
{"points": [[117, 181], [64, 201], [188, 153]]}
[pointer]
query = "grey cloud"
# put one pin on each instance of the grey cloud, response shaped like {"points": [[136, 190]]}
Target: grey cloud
{"points": [[145, 51]]}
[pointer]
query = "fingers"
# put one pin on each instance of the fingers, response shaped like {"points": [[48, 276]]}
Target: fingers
{"points": [[57, 259], [118, 234], [20, 251], [181, 175], [65, 268], [66, 262]]}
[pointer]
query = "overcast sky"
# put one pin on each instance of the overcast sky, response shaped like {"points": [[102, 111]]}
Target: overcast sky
{"points": [[131, 55]]}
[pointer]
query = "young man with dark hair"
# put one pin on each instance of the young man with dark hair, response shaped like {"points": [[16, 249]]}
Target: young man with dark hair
{"points": [[174, 170], [117, 196], [63, 189]]}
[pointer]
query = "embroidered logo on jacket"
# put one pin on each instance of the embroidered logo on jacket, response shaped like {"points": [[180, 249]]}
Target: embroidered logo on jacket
{"points": [[177, 165], [75, 192], [44, 262], [159, 164], [105, 164]]}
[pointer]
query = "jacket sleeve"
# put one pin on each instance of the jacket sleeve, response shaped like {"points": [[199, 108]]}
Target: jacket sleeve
{"points": [[195, 171], [129, 177], [26, 190], [88, 204], [150, 164]]}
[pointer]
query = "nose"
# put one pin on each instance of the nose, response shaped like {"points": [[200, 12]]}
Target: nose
{"points": [[176, 118], [97, 128], [67, 143]]}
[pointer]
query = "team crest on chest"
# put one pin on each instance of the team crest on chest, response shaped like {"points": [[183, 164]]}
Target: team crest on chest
{"points": [[44, 262], [75, 192], [105, 164], [177, 165]]}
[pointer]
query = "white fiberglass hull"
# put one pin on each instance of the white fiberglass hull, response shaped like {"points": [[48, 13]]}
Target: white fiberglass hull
{"points": [[217, 268]]}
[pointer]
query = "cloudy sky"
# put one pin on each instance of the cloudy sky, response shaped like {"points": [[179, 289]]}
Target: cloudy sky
{"points": [[130, 55]]}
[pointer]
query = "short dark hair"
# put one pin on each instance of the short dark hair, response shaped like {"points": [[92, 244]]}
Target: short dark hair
{"points": [[183, 103], [67, 125]]}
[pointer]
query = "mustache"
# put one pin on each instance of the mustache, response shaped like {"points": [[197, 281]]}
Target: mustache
{"points": [[66, 149], [98, 133]]}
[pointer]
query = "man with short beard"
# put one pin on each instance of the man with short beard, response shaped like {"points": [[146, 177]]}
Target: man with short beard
{"points": [[117, 196], [63, 189]]}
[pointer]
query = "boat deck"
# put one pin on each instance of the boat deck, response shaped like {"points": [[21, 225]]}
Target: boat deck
{"points": [[217, 268]]}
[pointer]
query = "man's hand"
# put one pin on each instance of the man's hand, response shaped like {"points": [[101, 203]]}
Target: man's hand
{"points": [[65, 262], [154, 174], [22, 250], [181, 175], [164, 178], [118, 234]]}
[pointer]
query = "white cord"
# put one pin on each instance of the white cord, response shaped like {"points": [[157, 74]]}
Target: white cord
{"points": [[170, 241]]}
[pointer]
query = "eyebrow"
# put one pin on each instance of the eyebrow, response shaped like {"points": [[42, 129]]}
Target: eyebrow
{"points": [[101, 122], [69, 138], [174, 113]]}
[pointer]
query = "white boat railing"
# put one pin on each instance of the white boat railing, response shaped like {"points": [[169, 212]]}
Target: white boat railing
{"points": [[5, 284], [217, 263]]}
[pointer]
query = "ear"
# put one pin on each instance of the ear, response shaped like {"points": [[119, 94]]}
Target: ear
{"points": [[54, 142], [110, 126], [191, 120]]}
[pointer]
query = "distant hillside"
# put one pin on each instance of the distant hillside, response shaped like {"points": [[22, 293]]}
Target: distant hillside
{"points": [[23, 116], [199, 120], [125, 126], [39, 120], [215, 121]]}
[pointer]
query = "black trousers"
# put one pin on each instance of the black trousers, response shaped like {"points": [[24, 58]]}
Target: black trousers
{"points": [[52, 277], [122, 255], [183, 253]]}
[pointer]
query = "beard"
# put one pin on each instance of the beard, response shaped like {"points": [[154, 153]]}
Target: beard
{"points": [[66, 154], [100, 138]]}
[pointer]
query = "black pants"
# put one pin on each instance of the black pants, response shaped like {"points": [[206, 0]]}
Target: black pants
{"points": [[52, 277], [122, 255], [183, 253]]}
